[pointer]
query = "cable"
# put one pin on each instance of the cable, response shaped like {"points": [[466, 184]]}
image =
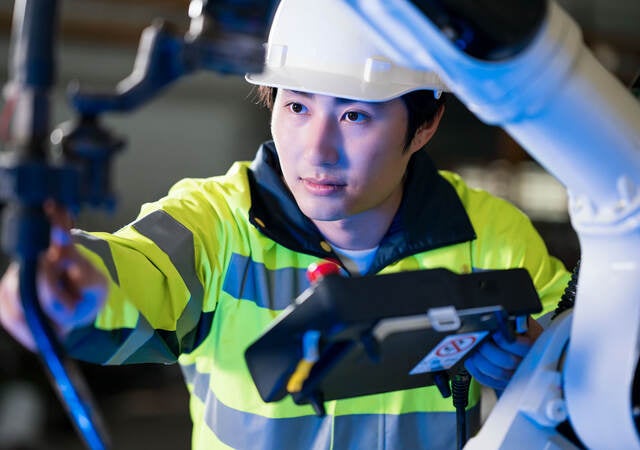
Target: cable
{"points": [[568, 299], [460, 393], [64, 375]]}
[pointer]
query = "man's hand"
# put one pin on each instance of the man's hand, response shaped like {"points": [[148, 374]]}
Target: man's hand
{"points": [[70, 289], [496, 360]]}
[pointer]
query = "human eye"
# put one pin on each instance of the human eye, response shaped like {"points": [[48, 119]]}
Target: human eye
{"points": [[355, 116], [296, 108]]}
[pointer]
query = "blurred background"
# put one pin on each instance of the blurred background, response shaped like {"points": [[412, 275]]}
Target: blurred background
{"points": [[197, 128]]}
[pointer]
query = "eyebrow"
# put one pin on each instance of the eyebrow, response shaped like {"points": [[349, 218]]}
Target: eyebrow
{"points": [[340, 100]]}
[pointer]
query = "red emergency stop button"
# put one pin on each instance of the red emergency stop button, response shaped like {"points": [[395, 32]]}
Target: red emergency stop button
{"points": [[316, 271]]}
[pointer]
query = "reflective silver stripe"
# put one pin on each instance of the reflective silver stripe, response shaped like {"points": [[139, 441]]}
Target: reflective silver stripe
{"points": [[98, 246], [241, 430], [188, 372], [142, 333], [176, 241], [424, 430], [143, 330], [274, 289]]}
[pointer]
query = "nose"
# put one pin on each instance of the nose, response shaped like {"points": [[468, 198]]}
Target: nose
{"points": [[322, 141]]}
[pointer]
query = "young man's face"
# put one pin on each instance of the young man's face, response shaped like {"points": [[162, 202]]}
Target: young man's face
{"points": [[341, 158]]}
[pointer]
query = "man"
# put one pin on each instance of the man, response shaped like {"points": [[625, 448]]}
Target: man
{"points": [[202, 272]]}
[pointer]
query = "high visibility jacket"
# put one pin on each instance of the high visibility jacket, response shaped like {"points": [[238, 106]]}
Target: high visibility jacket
{"points": [[201, 273]]}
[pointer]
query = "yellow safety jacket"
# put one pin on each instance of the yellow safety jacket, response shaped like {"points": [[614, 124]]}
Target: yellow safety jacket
{"points": [[202, 272]]}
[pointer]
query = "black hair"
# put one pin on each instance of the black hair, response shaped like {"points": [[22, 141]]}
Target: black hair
{"points": [[422, 107]]}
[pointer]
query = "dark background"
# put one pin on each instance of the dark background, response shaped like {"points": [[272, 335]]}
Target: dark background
{"points": [[197, 128]]}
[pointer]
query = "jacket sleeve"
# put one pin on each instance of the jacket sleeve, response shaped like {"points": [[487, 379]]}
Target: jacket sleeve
{"points": [[158, 268]]}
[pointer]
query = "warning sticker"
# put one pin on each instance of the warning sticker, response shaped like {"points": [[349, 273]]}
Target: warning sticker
{"points": [[448, 352]]}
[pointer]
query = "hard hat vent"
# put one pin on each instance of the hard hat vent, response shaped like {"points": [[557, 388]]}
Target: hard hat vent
{"points": [[376, 68], [276, 55]]}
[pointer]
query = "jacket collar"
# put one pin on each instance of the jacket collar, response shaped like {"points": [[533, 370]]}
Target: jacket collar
{"points": [[430, 216]]}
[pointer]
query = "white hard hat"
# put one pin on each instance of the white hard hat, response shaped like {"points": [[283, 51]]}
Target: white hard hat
{"points": [[323, 47]]}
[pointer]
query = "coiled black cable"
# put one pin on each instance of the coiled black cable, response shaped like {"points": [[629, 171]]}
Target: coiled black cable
{"points": [[568, 299]]}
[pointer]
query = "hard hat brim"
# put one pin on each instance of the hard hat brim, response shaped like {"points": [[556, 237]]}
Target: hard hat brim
{"points": [[342, 86]]}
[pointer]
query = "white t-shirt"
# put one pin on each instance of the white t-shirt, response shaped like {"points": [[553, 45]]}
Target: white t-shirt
{"points": [[357, 262]]}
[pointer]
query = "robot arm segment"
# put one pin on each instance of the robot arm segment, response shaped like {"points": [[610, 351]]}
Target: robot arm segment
{"points": [[489, 30], [583, 126], [554, 98], [223, 36]]}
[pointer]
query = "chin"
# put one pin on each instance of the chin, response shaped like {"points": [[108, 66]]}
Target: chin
{"points": [[322, 213]]}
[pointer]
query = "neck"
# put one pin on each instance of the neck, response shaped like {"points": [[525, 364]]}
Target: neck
{"points": [[361, 231]]}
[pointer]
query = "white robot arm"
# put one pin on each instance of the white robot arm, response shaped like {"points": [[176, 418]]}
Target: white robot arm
{"points": [[583, 126]]}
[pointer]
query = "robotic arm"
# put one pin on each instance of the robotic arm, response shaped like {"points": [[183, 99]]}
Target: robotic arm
{"points": [[224, 36], [539, 82]]}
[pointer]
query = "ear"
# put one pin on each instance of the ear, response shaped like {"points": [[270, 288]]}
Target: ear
{"points": [[425, 132]]}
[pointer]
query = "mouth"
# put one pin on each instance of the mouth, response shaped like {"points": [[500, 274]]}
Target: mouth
{"points": [[322, 186]]}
